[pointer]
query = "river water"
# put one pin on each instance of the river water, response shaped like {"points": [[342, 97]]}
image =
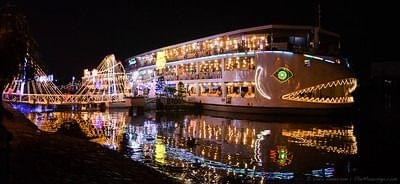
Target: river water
{"points": [[206, 148]]}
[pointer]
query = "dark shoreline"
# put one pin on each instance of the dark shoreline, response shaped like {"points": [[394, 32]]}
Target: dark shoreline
{"points": [[41, 157]]}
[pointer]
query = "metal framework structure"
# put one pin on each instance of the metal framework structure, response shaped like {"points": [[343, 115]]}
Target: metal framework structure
{"points": [[107, 83], [32, 85]]}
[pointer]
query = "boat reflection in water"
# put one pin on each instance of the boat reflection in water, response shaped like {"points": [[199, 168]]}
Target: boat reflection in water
{"points": [[206, 149]]}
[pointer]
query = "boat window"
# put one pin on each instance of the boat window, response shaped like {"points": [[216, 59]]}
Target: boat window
{"points": [[211, 89], [240, 89], [242, 63]]}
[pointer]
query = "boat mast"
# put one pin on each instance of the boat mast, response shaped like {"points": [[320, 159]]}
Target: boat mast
{"points": [[317, 29], [319, 15]]}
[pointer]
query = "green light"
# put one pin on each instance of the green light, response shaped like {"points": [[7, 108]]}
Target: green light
{"points": [[282, 75]]}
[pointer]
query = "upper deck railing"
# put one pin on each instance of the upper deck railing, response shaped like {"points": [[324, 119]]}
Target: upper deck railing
{"points": [[270, 37]]}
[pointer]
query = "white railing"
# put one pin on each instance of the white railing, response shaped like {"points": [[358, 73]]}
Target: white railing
{"points": [[55, 99]]}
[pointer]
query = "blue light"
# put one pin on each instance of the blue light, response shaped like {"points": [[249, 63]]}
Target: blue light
{"points": [[132, 61], [277, 52], [329, 61], [279, 175], [26, 108], [325, 172], [184, 155], [319, 58], [347, 64], [313, 57]]}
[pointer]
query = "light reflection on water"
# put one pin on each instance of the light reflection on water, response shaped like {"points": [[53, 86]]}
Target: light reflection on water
{"points": [[203, 148]]}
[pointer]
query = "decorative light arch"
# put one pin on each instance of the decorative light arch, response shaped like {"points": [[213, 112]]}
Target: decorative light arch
{"points": [[257, 80]]}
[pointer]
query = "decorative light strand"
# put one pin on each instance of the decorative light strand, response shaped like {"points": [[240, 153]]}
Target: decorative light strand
{"points": [[297, 95]]}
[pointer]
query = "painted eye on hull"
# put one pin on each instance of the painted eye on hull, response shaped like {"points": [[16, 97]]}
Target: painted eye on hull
{"points": [[283, 74]]}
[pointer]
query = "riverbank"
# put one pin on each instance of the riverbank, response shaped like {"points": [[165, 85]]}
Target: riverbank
{"points": [[41, 157]]}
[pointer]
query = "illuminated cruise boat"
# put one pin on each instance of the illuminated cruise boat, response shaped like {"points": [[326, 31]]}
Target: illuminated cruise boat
{"points": [[266, 67]]}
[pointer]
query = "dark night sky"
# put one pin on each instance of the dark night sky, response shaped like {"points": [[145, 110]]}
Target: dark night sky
{"points": [[73, 35]]}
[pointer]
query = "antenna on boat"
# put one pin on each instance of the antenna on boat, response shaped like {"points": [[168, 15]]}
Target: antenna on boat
{"points": [[319, 15], [317, 28]]}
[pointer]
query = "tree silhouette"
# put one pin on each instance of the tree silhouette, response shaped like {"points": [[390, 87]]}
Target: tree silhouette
{"points": [[17, 47], [17, 51]]}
